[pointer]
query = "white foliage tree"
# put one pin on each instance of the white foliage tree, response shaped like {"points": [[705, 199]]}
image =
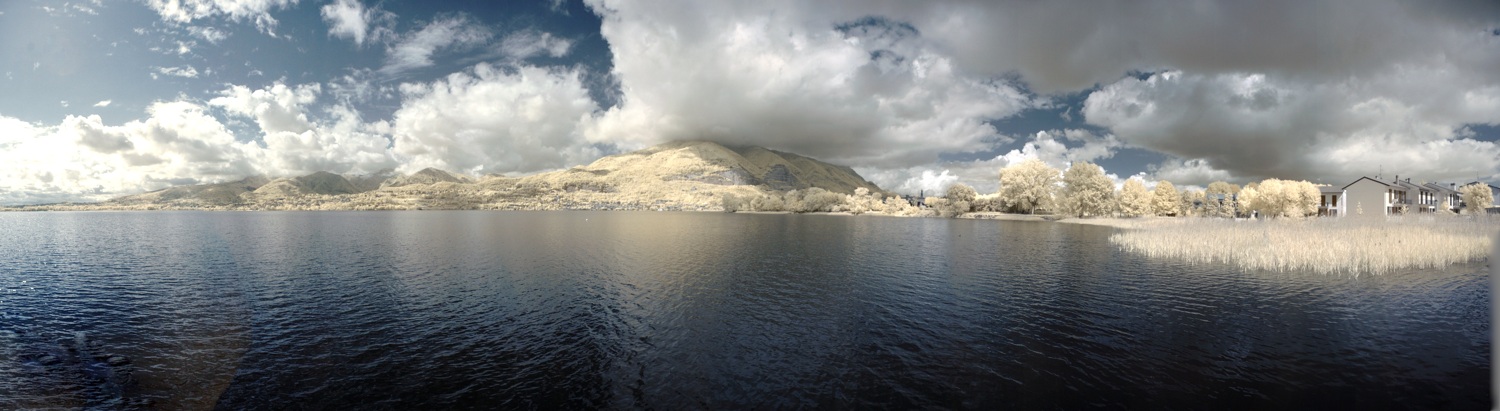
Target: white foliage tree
{"points": [[960, 199], [988, 202], [1282, 198], [1087, 192], [1165, 200], [815, 199], [961, 192], [895, 205], [1134, 199], [1248, 195], [1028, 186], [1219, 199], [1309, 196], [732, 203], [1190, 203], [1476, 197], [863, 201]]}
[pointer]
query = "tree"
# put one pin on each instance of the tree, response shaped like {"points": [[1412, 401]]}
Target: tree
{"points": [[959, 199], [988, 202], [814, 200], [1028, 185], [1219, 199], [1190, 201], [1087, 192], [732, 203], [1248, 196], [895, 205], [1282, 198], [1476, 198], [1310, 196], [1134, 200], [769, 202], [1164, 199], [947, 208], [862, 201], [961, 192]]}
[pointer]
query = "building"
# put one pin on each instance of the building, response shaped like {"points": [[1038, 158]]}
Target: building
{"points": [[1446, 195], [1370, 197], [1419, 199], [1329, 205]]}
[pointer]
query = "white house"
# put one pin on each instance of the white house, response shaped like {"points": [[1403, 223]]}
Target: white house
{"points": [[1420, 198], [1446, 195], [1329, 204], [1370, 197]]}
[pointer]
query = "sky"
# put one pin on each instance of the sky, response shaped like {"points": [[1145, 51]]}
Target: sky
{"points": [[101, 98]]}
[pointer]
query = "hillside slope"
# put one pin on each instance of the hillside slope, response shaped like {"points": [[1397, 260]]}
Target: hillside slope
{"points": [[691, 175]]}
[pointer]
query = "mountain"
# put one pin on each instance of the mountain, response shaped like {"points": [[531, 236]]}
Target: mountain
{"points": [[202, 195], [688, 175], [711, 163], [319, 183], [367, 182], [426, 176]]}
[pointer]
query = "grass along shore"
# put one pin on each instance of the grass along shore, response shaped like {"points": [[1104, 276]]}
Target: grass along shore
{"points": [[1324, 245]]}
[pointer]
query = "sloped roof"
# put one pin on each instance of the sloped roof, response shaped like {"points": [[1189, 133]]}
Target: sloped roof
{"points": [[1492, 186], [1346, 187], [1440, 188], [1410, 186]]}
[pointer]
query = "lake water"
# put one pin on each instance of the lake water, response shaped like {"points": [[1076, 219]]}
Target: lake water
{"points": [[443, 310]]}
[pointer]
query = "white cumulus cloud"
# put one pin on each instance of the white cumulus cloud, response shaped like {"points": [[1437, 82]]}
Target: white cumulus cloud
{"points": [[83, 159], [352, 20], [296, 143], [494, 119], [186, 11], [843, 88], [182, 71], [1255, 126], [209, 34]]}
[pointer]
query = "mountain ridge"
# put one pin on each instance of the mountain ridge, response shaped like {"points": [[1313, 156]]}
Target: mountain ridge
{"points": [[679, 175]]}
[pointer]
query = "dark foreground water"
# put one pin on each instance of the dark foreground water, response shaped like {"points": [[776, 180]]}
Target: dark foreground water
{"points": [[441, 310]]}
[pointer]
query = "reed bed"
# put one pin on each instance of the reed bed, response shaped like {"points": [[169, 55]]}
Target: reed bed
{"points": [[1323, 245]]}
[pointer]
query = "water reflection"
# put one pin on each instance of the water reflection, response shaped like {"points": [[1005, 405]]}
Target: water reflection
{"points": [[400, 310]]}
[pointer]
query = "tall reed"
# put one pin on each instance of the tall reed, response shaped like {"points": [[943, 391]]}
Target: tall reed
{"points": [[1324, 245]]}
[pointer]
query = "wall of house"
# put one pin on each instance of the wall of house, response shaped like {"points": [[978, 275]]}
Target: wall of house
{"points": [[1367, 195], [1332, 204], [1424, 201]]}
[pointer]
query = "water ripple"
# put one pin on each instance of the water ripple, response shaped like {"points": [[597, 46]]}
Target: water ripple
{"points": [[481, 310]]}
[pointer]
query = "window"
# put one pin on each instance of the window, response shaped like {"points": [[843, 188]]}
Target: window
{"points": [[1335, 200]]}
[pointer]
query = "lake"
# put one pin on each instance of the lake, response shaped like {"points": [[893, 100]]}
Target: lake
{"points": [[626, 310]]}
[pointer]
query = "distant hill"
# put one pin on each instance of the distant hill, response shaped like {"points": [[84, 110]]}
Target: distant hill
{"points": [[693, 175], [426, 176], [367, 182], [711, 163], [206, 195], [319, 183]]}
